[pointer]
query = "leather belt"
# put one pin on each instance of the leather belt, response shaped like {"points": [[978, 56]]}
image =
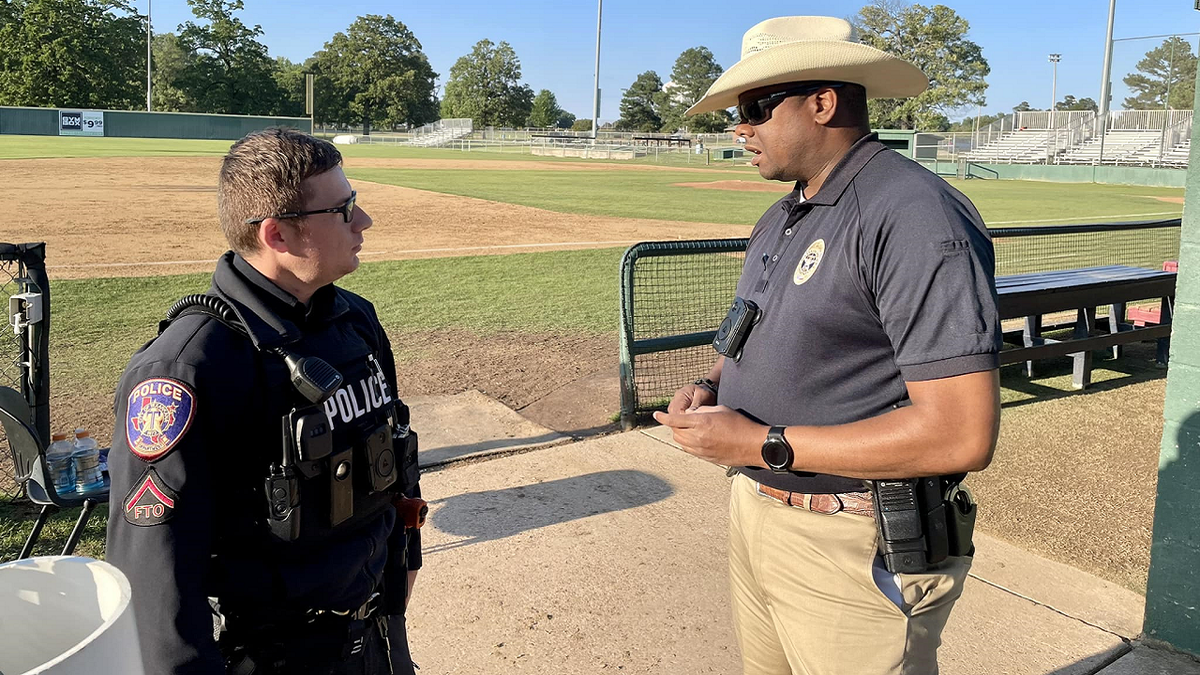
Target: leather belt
{"points": [[858, 503]]}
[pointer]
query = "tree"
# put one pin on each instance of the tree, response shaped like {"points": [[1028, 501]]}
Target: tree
{"points": [[639, 106], [694, 72], [968, 123], [565, 120], [289, 81], [231, 72], [581, 125], [1070, 103], [933, 39], [1023, 106], [485, 86], [72, 53], [545, 112], [1171, 67], [375, 73], [171, 59]]}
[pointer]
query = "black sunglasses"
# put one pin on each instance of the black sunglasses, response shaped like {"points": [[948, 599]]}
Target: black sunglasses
{"points": [[759, 110], [346, 209]]}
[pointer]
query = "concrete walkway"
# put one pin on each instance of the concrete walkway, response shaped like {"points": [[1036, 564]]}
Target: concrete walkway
{"points": [[608, 555]]}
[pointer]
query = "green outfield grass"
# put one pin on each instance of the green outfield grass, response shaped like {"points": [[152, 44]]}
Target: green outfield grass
{"points": [[653, 194]]}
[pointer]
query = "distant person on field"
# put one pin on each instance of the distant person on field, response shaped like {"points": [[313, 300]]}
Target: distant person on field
{"points": [[863, 344], [251, 482]]}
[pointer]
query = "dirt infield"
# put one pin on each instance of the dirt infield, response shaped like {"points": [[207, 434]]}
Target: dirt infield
{"points": [[150, 216], [741, 186]]}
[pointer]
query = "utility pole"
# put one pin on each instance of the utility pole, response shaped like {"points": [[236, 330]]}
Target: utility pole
{"points": [[596, 93], [149, 33]]}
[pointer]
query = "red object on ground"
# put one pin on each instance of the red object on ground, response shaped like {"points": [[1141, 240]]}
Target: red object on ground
{"points": [[1142, 316]]}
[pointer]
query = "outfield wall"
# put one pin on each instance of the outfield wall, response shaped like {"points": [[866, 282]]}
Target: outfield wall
{"points": [[137, 124], [1068, 173]]}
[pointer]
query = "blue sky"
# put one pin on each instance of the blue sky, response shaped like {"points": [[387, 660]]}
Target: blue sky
{"points": [[555, 39]]}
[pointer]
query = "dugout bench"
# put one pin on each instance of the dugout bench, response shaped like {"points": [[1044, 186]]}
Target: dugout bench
{"points": [[1033, 296]]}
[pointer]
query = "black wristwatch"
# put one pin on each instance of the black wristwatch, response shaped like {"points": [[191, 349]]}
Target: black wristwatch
{"points": [[776, 452]]}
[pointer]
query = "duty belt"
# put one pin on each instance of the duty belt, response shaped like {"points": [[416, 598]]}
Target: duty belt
{"points": [[365, 611]]}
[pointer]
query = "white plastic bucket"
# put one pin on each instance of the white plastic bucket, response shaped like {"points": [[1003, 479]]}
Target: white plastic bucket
{"points": [[66, 616]]}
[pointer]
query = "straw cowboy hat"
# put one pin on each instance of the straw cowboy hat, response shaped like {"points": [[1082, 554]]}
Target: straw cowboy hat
{"points": [[807, 49]]}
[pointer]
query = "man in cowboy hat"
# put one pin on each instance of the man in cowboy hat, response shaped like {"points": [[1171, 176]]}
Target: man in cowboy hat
{"points": [[863, 346]]}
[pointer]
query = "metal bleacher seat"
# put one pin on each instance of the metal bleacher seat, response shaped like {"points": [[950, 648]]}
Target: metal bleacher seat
{"points": [[29, 462]]}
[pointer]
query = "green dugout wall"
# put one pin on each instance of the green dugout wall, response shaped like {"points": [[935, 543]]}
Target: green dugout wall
{"points": [[1173, 589], [135, 124]]}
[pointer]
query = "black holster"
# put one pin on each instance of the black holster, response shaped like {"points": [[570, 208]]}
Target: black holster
{"points": [[922, 521]]}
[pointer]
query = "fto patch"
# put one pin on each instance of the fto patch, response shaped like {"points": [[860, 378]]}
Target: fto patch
{"points": [[809, 261], [158, 415], [150, 502]]}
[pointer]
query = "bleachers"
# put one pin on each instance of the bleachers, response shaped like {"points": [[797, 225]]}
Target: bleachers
{"points": [[1120, 147], [441, 132], [1178, 155], [1022, 146]]}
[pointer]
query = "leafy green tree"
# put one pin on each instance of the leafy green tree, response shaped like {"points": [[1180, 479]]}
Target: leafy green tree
{"points": [[935, 40], [968, 123], [171, 59], [1171, 67], [581, 125], [638, 105], [485, 86], [694, 72], [545, 113], [72, 53], [1023, 106], [289, 80], [375, 73], [1070, 103], [231, 72], [565, 120]]}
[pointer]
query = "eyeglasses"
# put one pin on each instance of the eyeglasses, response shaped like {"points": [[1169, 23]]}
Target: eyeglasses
{"points": [[759, 110], [346, 209]]}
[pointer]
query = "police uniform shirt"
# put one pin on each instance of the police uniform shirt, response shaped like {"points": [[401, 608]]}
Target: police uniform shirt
{"points": [[886, 275], [198, 422]]}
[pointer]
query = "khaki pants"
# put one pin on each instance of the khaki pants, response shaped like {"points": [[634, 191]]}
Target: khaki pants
{"points": [[806, 602]]}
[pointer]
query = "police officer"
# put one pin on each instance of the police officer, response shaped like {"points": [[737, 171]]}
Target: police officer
{"points": [[250, 482], [863, 344]]}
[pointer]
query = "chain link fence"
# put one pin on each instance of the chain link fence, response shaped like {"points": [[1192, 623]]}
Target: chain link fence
{"points": [[24, 342]]}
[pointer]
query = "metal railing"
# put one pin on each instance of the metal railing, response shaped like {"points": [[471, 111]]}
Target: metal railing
{"points": [[675, 293]]}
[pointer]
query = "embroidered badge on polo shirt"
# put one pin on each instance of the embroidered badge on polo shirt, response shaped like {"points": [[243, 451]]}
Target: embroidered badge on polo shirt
{"points": [[158, 415], [809, 261], [150, 502]]}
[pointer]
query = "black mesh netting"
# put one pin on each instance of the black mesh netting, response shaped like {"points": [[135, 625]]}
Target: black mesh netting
{"points": [[11, 356], [681, 288]]}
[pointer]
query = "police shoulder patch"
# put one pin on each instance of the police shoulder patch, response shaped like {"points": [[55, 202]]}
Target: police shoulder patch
{"points": [[150, 502], [158, 414]]}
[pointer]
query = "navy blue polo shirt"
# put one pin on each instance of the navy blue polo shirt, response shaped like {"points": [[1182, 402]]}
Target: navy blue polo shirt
{"points": [[886, 275]]}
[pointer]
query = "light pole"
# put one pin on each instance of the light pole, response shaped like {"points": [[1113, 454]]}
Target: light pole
{"points": [[596, 93], [1054, 59], [149, 33], [1104, 84]]}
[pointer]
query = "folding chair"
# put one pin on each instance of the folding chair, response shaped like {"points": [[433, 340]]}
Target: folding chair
{"points": [[29, 461]]}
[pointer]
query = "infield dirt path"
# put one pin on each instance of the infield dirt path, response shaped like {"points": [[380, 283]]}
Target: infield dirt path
{"points": [[148, 216]]}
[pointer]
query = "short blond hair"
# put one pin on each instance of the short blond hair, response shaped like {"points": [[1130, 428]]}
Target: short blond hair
{"points": [[261, 176]]}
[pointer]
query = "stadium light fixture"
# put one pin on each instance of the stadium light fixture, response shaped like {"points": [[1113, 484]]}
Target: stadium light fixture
{"points": [[1054, 59]]}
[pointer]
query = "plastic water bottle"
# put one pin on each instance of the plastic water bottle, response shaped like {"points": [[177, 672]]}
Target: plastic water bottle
{"points": [[86, 458], [60, 463]]}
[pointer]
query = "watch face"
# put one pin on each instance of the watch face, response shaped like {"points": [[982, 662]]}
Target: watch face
{"points": [[776, 454]]}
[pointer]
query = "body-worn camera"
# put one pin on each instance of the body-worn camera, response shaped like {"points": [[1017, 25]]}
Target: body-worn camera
{"points": [[732, 334]]}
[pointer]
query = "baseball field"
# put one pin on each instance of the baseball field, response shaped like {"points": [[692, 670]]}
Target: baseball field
{"points": [[499, 272]]}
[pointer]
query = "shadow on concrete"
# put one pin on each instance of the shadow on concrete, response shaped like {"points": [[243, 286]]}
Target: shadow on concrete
{"points": [[495, 514]]}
